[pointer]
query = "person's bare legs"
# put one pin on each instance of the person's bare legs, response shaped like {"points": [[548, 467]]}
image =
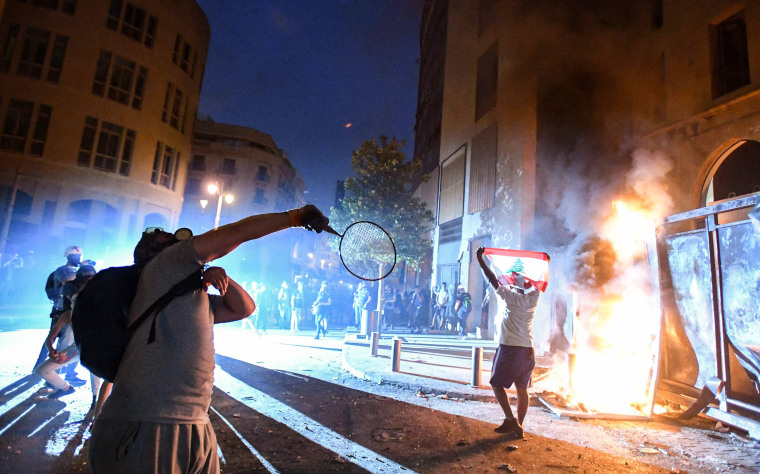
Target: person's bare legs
{"points": [[523, 400], [503, 399]]}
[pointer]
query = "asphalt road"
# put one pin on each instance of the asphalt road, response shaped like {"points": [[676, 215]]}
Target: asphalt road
{"points": [[284, 404]]}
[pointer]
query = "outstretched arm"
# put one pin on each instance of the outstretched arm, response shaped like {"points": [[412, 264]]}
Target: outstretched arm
{"points": [[486, 269], [219, 242]]}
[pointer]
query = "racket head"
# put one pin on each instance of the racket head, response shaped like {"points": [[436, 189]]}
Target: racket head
{"points": [[367, 251]]}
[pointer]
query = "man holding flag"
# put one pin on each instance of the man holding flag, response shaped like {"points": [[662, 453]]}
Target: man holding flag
{"points": [[515, 359]]}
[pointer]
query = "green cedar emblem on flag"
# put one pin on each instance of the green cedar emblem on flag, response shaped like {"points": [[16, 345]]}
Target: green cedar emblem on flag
{"points": [[517, 267]]}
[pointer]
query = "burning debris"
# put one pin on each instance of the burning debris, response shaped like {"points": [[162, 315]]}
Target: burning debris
{"points": [[613, 302], [595, 263]]}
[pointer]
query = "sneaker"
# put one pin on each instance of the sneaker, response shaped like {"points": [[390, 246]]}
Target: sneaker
{"points": [[61, 393], [75, 381], [510, 427]]}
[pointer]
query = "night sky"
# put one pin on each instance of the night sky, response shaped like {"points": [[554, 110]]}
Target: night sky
{"points": [[301, 71]]}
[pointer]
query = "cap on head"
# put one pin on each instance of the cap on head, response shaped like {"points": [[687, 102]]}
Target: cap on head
{"points": [[460, 288], [72, 250], [151, 244]]}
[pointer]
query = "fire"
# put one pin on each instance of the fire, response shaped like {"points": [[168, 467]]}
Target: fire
{"points": [[616, 340]]}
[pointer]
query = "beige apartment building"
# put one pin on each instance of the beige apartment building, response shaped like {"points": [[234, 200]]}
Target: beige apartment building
{"points": [[98, 102]]}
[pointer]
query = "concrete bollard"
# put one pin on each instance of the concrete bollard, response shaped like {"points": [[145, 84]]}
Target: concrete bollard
{"points": [[396, 356], [368, 323], [477, 365], [374, 342]]}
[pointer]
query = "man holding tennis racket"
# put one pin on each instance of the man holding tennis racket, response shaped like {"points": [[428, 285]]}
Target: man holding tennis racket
{"points": [[156, 419]]}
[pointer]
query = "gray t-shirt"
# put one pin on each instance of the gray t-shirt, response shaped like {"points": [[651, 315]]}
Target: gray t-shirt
{"points": [[170, 380], [517, 325]]}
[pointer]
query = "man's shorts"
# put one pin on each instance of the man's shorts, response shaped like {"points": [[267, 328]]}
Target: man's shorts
{"points": [[133, 446], [513, 365]]}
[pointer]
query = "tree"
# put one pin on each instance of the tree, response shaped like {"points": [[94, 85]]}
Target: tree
{"points": [[381, 192]]}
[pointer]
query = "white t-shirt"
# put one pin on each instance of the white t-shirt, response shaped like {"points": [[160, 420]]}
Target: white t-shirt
{"points": [[517, 325]]}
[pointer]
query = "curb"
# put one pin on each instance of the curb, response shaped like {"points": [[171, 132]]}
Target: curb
{"points": [[417, 385]]}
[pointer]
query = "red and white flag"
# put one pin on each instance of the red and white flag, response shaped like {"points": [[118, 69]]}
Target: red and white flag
{"points": [[534, 266]]}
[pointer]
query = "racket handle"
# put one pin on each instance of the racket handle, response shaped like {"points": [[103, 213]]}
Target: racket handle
{"points": [[331, 230]]}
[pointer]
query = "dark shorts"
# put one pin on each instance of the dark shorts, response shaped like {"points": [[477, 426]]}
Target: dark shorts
{"points": [[513, 365]]}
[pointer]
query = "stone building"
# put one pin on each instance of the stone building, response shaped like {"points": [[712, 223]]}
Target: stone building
{"points": [[545, 104], [98, 102], [549, 109]]}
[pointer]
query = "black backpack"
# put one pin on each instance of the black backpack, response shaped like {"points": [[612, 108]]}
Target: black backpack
{"points": [[99, 317]]}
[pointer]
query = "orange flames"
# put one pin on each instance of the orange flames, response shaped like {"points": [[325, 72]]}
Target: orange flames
{"points": [[615, 347]]}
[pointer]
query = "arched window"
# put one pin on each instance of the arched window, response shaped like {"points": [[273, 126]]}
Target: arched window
{"points": [[735, 173]]}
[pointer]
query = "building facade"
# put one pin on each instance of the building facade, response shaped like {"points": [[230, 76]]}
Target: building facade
{"points": [[98, 102], [545, 106], [554, 111]]}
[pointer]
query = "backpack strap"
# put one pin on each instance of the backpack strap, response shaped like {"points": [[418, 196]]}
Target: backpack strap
{"points": [[191, 283]]}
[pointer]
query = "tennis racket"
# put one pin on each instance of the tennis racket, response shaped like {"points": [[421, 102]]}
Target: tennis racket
{"points": [[366, 250]]}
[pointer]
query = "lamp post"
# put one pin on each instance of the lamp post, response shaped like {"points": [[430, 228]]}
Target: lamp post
{"points": [[218, 190]]}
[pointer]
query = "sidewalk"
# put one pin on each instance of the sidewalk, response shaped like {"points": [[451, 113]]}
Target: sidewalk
{"points": [[432, 363]]}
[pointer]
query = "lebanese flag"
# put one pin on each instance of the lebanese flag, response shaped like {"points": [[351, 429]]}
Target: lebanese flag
{"points": [[534, 266]]}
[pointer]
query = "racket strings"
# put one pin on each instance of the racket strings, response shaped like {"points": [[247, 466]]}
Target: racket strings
{"points": [[365, 249]]}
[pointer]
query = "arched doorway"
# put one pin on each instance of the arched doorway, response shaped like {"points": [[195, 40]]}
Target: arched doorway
{"points": [[735, 173]]}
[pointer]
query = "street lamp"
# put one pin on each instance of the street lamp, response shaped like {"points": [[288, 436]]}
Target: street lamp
{"points": [[218, 190]]}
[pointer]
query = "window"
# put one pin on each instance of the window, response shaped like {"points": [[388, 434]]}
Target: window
{"points": [[232, 144], [67, 6], [185, 56], [487, 79], [175, 107], [193, 186], [135, 22], [120, 80], [731, 61], [165, 166], [10, 45], [40, 130], [262, 174], [18, 120], [259, 197], [137, 97], [228, 167], [33, 53], [113, 146], [199, 163], [483, 170], [452, 187], [56, 58], [16, 125]]}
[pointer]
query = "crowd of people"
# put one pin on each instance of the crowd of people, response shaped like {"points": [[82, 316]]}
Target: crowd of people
{"points": [[154, 416]]}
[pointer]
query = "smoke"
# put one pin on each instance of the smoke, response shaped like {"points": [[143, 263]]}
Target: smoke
{"points": [[647, 181]]}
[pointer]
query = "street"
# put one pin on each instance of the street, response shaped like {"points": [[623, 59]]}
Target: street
{"points": [[284, 403]]}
